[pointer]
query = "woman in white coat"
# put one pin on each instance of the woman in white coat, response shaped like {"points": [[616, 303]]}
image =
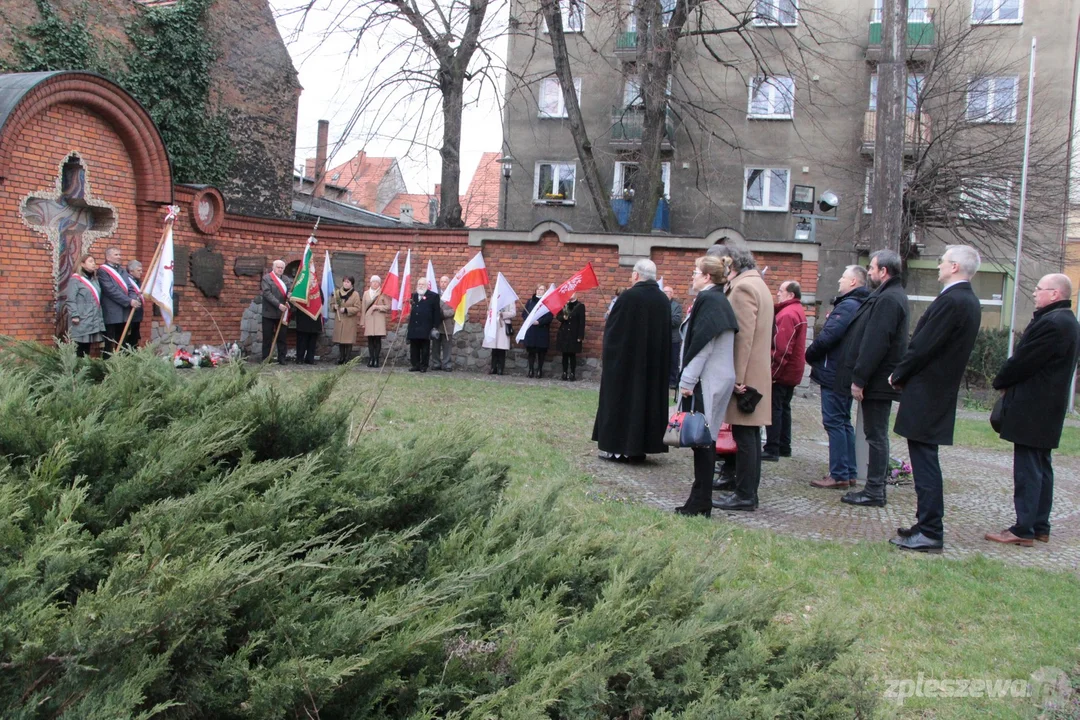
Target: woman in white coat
{"points": [[501, 342], [708, 368]]}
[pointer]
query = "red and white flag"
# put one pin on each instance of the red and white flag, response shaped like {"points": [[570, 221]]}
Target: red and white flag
{"points": [[558, 295], [399, 304], [433, 286], [466, 289], [392, 282]]}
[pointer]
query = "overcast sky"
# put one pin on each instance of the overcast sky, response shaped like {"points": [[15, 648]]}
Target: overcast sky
{"points": [[334, 83]]}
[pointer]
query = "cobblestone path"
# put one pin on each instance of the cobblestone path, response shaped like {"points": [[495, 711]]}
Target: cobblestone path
{"points": [[978, 495]]}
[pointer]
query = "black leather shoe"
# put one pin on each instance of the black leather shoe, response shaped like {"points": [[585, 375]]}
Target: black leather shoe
{"points": [[861, 499], [784, 453], [733, 502], [532, 373], [769, 457], [687, 510], [573, 377], [724, 485], [918, 543], [564, 376]]}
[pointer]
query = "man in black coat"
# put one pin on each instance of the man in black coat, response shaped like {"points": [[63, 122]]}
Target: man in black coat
{"points": [[929, 378], [425, 316], [633, 410], [823, 355], [871, 349], [1035, 382]]}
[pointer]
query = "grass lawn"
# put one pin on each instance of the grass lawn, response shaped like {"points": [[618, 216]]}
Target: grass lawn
{"points": [[944, 619], [978, 433]]}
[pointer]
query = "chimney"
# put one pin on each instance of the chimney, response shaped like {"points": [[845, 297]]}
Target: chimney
{"points": [[320, 159], [405, 214]]}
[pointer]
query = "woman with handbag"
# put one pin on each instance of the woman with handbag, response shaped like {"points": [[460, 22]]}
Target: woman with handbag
{"points": [[376, 305], [708, 369], [347, 307]]}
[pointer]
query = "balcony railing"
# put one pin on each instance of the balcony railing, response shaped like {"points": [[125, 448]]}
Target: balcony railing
{"points": [[916, 131], [626, 43], [628, 126], [921, 36], [661, 221]]}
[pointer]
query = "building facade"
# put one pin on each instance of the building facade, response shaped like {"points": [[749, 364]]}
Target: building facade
{"points": [[784, 109]]}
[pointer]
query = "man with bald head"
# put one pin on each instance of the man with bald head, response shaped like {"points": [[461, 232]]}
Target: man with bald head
{"points": [[1035, 386], [275, 299]]}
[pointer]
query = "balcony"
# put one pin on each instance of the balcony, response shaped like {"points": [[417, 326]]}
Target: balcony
{"points": [[626, 44], [921, 37], [661, 221], [628, 125], [916, 132]]}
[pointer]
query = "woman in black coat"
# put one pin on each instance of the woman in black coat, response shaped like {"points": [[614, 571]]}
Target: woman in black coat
{"points": [[571, 336], [426, 315], [537, 337], [308, 330]]}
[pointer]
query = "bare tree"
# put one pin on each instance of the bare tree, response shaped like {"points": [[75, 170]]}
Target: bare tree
{"points": [[427, 50], [680, 48], [965, 142]]}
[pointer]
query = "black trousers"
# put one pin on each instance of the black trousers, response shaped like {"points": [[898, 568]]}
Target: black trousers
{"points": [[305, 347], [112, 339], [536, 359], [419, 353], [498, 361], [269, 326], [778, 435], [569, 362], [930, 505], [747, 460], [344, 353], [134, 335], [876, 429], [701, 490], [673, 375], [1033, 491]]}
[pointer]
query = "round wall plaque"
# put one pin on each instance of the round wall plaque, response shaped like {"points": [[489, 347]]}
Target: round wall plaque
{"points": [[207, 210]]}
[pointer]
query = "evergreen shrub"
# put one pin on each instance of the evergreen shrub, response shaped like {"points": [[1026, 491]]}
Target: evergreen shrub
{"points": [[198, 546], [989, 354]]}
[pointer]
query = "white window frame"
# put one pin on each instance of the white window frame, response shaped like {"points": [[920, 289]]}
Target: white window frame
{"points": [[995, 13], [618, 176], [767, 13], [632, 83], [909, 107], [565, 6], [972, 198], [766, 189], [556, 164], [549, 85], [918, 12], [994, 105], [868, 205], [779, 89]]}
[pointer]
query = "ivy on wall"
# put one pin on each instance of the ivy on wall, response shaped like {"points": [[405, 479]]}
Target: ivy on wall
{"points": [[166, 68]]}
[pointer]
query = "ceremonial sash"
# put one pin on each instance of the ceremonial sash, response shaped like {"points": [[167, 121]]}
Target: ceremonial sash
{"points": [[135, 285], [281, 286], [90, 285], [117, 277]]}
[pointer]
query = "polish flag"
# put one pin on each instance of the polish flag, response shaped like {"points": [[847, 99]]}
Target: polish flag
{"points": [[432, 285], [558, 295], [392, 282], [399, 305]]}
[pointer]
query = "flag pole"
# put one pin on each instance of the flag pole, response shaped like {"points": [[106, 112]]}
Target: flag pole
{"points": [[273, 343], [153, 266]]}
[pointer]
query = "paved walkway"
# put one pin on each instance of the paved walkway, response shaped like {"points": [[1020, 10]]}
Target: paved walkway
{"points": [[978, 496]]}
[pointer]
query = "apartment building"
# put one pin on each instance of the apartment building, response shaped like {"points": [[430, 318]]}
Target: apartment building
{"points": [[764, 120]]}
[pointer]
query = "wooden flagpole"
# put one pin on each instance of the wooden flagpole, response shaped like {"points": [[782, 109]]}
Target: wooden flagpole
{"points": [[153, 266]]}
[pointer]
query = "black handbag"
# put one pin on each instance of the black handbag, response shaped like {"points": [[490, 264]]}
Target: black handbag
{"points": [[509, 329], [997, 414], [688, 429]]}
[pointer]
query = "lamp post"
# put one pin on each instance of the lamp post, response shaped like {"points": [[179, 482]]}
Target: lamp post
{"points": [[802, 207], [507, 168]]}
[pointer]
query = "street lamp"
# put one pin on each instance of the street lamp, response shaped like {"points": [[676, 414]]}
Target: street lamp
{"points": [[507, 168], [802, 207]]}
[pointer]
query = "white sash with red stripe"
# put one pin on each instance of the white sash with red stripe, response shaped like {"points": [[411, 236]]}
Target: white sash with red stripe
{"points": [[135, 285], [117, 277], [284, 293], [90, 285]]}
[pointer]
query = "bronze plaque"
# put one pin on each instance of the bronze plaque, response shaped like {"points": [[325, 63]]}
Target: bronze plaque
{"points": [[181, 253], [208, 272], [249, 265], [348, 263]]}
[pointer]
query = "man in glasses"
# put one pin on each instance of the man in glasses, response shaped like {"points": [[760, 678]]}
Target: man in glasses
{"points": [[1035, 383], [929, 376]]}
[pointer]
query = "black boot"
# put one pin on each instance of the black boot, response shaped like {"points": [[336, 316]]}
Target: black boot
{"points": [[573, 368], [532, 364], [540, 364], [502, 363], [494, 364]]}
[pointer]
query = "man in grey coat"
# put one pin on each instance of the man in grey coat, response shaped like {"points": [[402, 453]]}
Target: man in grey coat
{"points": [[442, 345], [275, 303], [117, 299]]}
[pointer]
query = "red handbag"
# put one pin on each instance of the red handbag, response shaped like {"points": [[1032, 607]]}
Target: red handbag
{"points": [[725, 441]]}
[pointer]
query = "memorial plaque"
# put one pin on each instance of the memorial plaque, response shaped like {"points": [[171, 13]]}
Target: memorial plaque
{"points": [[254, 265], [208, 272], [348, 263], [181, 254]]}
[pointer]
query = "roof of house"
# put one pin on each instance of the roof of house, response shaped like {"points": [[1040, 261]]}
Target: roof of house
{"points": [[306, 207], [420, 202], [361, 174], [480, 203]]}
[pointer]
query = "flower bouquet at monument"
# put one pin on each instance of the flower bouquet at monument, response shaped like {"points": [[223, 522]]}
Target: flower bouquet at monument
{"points": [[899, 472]]}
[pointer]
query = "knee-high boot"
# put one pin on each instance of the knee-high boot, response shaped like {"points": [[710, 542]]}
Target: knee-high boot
{"points": [[573, 366], [532, 363], [540, 363]]}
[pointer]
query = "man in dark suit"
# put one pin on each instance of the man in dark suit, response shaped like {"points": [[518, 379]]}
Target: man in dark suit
{"points": [[117, 299], [275, 305], [873, 346], [929, 379], [1035, 382]]}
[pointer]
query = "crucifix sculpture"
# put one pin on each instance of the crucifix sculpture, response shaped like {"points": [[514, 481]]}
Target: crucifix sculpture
{"points": [[71, 219]]}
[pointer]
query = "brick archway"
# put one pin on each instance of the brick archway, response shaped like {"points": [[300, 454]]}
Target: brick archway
{"points": [[28, 95]]}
